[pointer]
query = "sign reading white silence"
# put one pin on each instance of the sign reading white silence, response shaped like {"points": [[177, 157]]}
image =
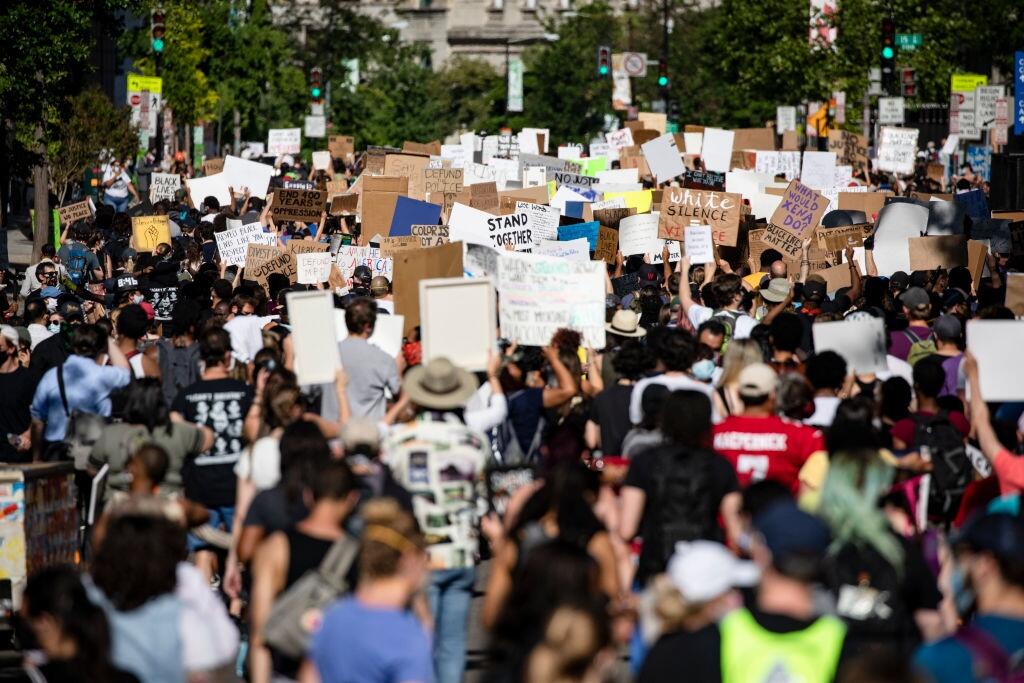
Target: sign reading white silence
{"points": [[232, 243], [541, 294]]}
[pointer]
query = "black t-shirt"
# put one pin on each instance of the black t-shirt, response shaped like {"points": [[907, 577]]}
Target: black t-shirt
{"points": [[48, 353], [610, 411], [221, 405], [647, 472], [271, 511], [16, 391], [525, 410]]}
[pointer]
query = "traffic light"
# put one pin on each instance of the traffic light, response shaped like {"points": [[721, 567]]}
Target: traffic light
{"points": [[604, 60], [908, 82], [888, 54], [316, 90], [662, 73], [156, 29]]}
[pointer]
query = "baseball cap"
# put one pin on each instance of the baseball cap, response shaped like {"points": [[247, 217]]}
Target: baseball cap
{"points": [[915, 298], [899, 280], [948, 328], [758, 379], [704, 570], [813, 289], [71, 311], [998, 533], [787, 530], [953, 297], [125, 283], [360, 431]]}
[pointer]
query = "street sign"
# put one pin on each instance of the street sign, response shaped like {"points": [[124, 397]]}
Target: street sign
{"points": [[999, 130], [891, 110], [985, 104], [1018, 93], [966, 82], [137, 83], [634, 64], [909, 41]]}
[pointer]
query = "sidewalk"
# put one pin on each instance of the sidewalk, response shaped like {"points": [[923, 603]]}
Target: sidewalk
{"points": [[18, 248]]}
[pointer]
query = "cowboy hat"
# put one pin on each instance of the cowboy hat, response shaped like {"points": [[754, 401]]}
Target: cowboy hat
{"points": [[625, 323], [439, 385]]}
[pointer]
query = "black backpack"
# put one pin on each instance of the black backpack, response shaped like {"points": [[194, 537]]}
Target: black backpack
{"points": [[683, 507], [951, 468], [869, 597]]}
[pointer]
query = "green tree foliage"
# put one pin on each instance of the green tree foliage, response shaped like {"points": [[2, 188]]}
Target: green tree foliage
{"points": [[473, 94]]}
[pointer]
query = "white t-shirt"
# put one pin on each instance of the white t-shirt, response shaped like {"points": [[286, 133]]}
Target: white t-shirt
{"points": [[261, 463], [824, 411], [247, 335], [672, 383], [699, 315], [898, 368], [119, 189]]}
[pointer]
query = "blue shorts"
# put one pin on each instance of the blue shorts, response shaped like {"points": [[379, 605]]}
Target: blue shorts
{"points": [[220, 517]]}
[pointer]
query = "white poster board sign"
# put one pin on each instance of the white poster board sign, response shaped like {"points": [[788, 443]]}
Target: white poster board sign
{"points": [[699, 245], [574, 250], [897, 150], [995, 343], [315, 344], [313, 267], [543, 220], [208, 186], [637, 233], [785, 119], [321, 160], [233, 242], [163, 186], [283, 141], [716, 150], [819, 170], [861, 343], [663, 158], [457, 321], [316, 126], [388, 331], [242, 173], [891, 110]]}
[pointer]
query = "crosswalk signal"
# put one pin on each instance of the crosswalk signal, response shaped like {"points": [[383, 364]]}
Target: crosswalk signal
{"points": [[662, 73], [604, 60], [888, 53], [156, 29], [315, 84]]}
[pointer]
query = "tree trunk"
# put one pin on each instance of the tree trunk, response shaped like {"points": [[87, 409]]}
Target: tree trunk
{"points": [[40, 182]]}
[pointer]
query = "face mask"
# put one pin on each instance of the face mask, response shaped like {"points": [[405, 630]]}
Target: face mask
{"points": [[53, 327], [4, 355], [963, 594], [138, 298], [703, 369]]}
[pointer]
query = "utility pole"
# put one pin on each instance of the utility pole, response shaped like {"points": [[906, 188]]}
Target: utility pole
{"points": [[157, 28]]}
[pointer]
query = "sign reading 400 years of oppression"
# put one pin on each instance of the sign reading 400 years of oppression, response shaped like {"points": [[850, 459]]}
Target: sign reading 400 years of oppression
{"points": [[681, 207], [298, 205]]}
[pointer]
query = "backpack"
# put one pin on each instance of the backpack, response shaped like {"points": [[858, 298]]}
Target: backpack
{"points": [[77, 263], [869, 596], [919, 348], [728, 320], [505, 444], [179, 367], [952, 470], [683, 508], [989, 660], [298, 612]]}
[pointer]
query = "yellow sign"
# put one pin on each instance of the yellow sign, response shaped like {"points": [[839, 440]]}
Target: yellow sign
{"points": [[966, 82], [637, 199], [138, 83], [149, 231]]}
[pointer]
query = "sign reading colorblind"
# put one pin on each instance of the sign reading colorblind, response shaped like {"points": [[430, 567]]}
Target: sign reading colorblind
{"points": [[897, 150], [234, 242], [540, 295], [801, 209], [298, 205], [163, 186], [681, 207]]}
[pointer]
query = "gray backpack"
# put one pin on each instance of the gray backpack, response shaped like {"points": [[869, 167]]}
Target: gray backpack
{"points": [[298, 612]]}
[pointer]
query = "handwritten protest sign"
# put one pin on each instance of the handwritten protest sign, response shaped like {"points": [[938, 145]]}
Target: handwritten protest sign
{"points": [[344, 204], [681, 207], [638, 234], [787, 243], [818, 171], [443, 180], [430, 235], [778, 163], [149, 231], [897, 150], [699, 245], [233, 243], [389, 246], [540, 295], [284, 141], [163, 186], [313, 267], [849, 148], [543, 220], [801, 209], [607, 244], [610, 217], [341, 146], [298, 205], [837, 239], [350, 256], [575, 250], [256, 255], [70, 213]]}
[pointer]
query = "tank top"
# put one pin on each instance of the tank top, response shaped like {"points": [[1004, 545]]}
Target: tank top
{"points": [[304, 553]]}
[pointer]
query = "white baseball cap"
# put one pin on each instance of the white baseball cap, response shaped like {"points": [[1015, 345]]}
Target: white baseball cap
{"points": [[704, 570]]}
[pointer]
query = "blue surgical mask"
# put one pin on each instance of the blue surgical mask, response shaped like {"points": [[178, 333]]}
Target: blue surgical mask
{"points": [[53, 327], [703, 370]]}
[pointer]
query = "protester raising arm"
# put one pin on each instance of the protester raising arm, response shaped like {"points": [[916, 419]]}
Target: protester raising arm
{"points": [[1008, 468], [566, 385], [805, 261]]}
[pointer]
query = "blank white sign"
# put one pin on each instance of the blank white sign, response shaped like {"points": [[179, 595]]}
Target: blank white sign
{"points": [[458, 321], [996, 344], [315, 344]]}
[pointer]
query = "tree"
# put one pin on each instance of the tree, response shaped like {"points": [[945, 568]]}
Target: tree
{"points": [[90, 126], [473, 94]]}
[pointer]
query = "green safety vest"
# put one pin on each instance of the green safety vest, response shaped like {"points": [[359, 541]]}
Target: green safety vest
{"points": [[751, 654]]}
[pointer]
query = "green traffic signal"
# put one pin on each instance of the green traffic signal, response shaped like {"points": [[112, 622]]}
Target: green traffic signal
{"points": [[158, 45], [603, 69], [888, 52], [315, 92], [663, 81]]}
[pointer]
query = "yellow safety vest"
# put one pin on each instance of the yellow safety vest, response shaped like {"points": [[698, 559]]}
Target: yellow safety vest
{"points": [[751, 654]]}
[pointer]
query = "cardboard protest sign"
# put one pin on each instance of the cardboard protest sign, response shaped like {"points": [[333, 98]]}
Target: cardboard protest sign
{"points": [[443, 180], [753, 138], [681, 207], [836, 277], [232, 244], [620, 138], [432, 148], [244, 173], [408, 166], [321, 160], [337, 186], [508, 198], [284, 141], [162, 186], [298, 205], [312, 267], [341, 146], [430, 235], [838, 239], [977, 252], [1015, 293], [607, 244], [861, 343], [540, 295], [380, 195], [422, 264], [704, 180], [638, 234], [849, 148], [663, 158], [212, 166], [315, 344], [801, 209], [929, 253], [698, 243], [409, 212], [897, 150], [786, 242], [573, 179], [716, 150], [610, 217], [457, 320], [308, 246], [69, 213], [992, 342], [574, 250], [149, 231], [818, 170], [344, 204], [588, 231], [389, 246], [256, 255], [897, 223], [870, 203]]}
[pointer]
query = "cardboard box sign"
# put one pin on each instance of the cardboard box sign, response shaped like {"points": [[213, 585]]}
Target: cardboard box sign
{"points": [[838, 239], [801, 209], [753, 138], [211, 166], [430, 235], [422, 264], [344, 204], [1015, 293], [410, 166], [850, 149], [443, 180], [298, 205], [868, 202], [929, 253], [380, 195], [70, 213], [607, 244], [783, 240], [683, 207], [341, 146], [432, 148], [610, 217]]}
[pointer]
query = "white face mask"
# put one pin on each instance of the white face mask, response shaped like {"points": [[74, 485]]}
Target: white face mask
{"points": [[53, 327], [138, 298]]}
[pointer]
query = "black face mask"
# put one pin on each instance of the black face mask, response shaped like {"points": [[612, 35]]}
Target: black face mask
{"points": [[4, 356]]}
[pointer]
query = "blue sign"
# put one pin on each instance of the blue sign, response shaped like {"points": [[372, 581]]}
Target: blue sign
{"points": [[575, 231], [1018, 93], [974, 203], [980, 159]]}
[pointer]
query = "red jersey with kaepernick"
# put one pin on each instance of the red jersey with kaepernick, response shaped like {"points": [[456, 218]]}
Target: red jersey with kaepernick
{"points": [[773, 448]]}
